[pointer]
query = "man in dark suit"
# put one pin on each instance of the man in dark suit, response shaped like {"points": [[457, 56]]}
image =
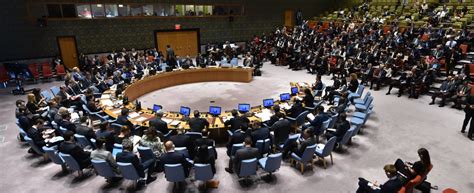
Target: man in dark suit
{"points": [[300, 146], [248, 152], [197, 124], [106, 132], [342, 126], [65, 123], [393, 185], [122, 119], [84, 128], [127, 156], [296, 109], [35, 133], [318, 121], [237, 122], [274, 118], [159, 124], [82, 157], [205, 141], [172, 157], [259, 133], [281, 129], [238, 137], [468, 110], [182, 140]]}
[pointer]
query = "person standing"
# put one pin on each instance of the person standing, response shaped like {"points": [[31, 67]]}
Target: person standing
{"points": [[169, 52], [468, 110]]}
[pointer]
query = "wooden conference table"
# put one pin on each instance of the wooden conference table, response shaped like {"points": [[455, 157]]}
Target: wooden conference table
{"points": [[112, 106]]}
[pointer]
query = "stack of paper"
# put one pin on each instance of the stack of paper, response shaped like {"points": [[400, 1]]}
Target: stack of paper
{"points": [[168, 121], [141, 119], [264, 115], [310, 116], [175, 123], [107, 102], [227, 118], [105, 96], [117, 112], [133, 115], [285, 106]]}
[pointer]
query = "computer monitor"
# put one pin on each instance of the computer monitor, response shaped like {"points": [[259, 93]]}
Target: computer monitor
{"points": [[285, 96], [214, 110], [244, 108], [267, 102], [185, 111], [156, 108], [294, 90]]}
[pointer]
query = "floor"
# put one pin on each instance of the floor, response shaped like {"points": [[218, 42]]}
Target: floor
{"points": [[398, 127]]}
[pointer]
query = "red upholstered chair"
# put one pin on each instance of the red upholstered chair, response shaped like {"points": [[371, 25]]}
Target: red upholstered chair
{"points": [[472, 89], [450, 190], [416, 181], [34, 71], [471, 68], [425, 37], [60, 71], [442, 64], [47, 72], [4, 75]]}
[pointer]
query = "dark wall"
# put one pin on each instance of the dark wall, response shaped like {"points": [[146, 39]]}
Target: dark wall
{"points": [[21, 37]]}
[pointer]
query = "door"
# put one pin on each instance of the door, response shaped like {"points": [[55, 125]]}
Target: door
{"points": [[183, 42], [68, 50], [289, 18]]}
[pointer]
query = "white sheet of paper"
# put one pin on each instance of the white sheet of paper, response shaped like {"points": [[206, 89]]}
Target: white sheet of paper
{"points": [[133, 115], [107, 102], [141, 119], [168, 121], [310, 116], [264, 115]]}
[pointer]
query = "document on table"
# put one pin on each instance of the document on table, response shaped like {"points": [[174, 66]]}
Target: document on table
{"points": [[175, 123], [141, 119], [107, 102], [168, 121], [264, 115], [227, 118], [133, 115], [105, 96], [285, 106], [117, 112], [310, 116]]}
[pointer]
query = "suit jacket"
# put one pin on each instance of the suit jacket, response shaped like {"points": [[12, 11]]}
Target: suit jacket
{"points": [[236, 123], [295, 110], [260, 134], [197, 124], [317, 122], [85, 131], [68, 125], [36, 136], [391, 186], [123, 120], [281, 130], [308, 101], [109, 139], [130, 157], [182, 140], [238, 137], [175, 158], [341, 129], [205, 141], [83, 158], [159, 125], [243, 154], [302, 146]]}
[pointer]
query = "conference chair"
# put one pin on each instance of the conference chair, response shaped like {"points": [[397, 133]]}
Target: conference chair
{"points": [[117, 127], [4, 77], [62, 130], [182, 150], [46, 70], [83, 141], [104, 169], [174, 173], [203, 172], [318, 93], [345, 139], [306, 158], [419, 179], [117, 149], [129, 173], [271, 163], [362, 115], [34, 71], [364, 100], [60, 71], [212, 151], [324, 150], [355, 130], [146, 153], [46, 94], [55, 90], [357, 94], [35, 148], [263, 146], [236, 147], [194, 135], [234, 62], [71, 163], [248, 168], [324, 127], [333, 121], [366, 106], [291, 139], [96, 114], [54, 157], [299, 120]]}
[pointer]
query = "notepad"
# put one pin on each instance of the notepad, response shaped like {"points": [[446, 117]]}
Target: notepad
{"points": [[141, 119], [285, 106], [310, 116], [133, 115], [227, 118], [264, 115], [175, 123], [168, 121], [117, 111]]}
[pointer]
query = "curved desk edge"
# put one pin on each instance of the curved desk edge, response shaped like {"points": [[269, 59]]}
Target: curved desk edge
{"points": [[168, 79]]}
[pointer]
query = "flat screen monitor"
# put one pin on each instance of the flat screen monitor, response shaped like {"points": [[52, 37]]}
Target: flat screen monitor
{"points": [[267, 102], [294, 90], [285, 96], [184, 111], [214, 110], [244, 108], [156, 108]]}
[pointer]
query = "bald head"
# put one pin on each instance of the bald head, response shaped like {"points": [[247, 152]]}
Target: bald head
{"points": [[169, 146]]}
